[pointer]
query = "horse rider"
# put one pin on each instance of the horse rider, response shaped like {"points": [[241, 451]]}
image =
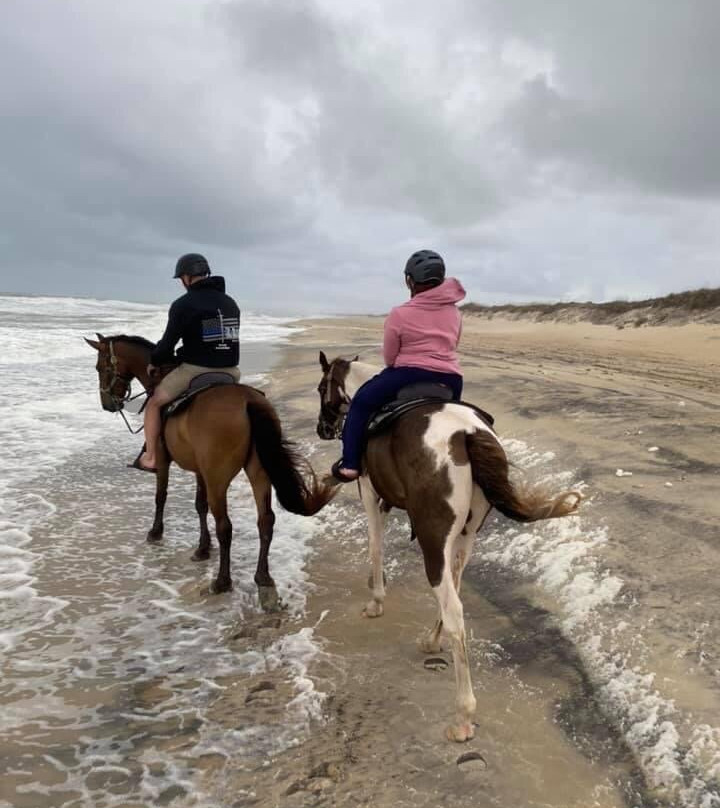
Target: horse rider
{"points": [[208, 322], [420, 345]]}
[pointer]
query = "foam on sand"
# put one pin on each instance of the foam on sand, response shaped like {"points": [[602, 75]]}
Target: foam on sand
{"points": [[680, 760]]}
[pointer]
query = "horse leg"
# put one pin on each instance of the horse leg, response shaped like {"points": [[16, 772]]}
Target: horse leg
{"points": [[217, 499], [438, 532], [438, 565], [479, 509], [429, 643], [202, 553], [376, 517], [262, 491], [454, 624], [161, 485]]}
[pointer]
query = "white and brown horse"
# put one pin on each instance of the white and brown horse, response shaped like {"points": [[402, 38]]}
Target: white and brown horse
{"points": [[444, 465]]}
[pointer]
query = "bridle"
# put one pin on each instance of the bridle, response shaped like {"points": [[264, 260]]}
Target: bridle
{"points": [[116, 377], [334, 404], [126, 379]]}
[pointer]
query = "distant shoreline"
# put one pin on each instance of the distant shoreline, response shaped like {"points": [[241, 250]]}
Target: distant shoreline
{"points": [[700, 306]]}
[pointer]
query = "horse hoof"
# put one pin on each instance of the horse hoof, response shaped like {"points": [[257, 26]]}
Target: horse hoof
{"points": [[373, 609], [200, 555], [154, 536], [269, 599], [218, 587], [460, 733], [435, 664]]}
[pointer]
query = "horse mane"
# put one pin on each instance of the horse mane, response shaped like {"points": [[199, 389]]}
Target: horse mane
{"points": [[145, 343]]}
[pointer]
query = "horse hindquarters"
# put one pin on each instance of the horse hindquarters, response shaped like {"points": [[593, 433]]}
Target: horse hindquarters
{"points": [[460, 555], [212, 439], [422, 465]]}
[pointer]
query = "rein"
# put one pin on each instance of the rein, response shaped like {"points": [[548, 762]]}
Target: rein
{"points": [[144, 404]]}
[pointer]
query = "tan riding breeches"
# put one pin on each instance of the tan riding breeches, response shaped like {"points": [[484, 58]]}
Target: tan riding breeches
{"points": [[178, 380]]}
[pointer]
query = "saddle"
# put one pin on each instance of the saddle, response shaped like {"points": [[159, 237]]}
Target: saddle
{"points": [[202, 382], [410, 398]]}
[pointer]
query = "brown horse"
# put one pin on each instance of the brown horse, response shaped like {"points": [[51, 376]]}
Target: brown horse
{"points": [[443, 464], [225, 429]]}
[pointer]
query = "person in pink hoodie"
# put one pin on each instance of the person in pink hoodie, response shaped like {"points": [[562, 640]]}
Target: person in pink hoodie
{"points": [[420, 345]]}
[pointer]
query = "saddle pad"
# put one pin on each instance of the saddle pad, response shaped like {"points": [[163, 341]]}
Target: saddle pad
{"points": [[385, 417], [202, 382]]}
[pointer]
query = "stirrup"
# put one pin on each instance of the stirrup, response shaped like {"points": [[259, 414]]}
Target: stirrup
{"points": [[136, 463]]}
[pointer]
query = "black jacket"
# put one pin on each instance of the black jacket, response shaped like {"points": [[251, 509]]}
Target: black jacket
{"points": [[208, 323]]}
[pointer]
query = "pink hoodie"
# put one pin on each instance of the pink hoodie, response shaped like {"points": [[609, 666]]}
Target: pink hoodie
{"points": [[425, 331]]}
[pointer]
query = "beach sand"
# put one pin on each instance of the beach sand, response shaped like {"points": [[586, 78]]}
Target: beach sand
{"points": [[574, 685]]}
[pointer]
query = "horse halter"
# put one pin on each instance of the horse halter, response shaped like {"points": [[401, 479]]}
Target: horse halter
{"points": [[116, 377], [334, 405]]}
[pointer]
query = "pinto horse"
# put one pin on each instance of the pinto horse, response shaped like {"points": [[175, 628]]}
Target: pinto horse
{"points": [[443, 464], [223, 430]]}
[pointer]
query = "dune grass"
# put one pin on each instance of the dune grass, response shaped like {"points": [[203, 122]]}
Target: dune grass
{"points": [[651, 310]]}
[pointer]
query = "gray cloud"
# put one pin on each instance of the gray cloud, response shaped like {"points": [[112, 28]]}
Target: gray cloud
{"points": [[631, 91], [308, 146]]}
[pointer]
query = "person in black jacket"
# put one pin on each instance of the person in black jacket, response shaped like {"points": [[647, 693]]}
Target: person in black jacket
{"points": [[208, 322]]}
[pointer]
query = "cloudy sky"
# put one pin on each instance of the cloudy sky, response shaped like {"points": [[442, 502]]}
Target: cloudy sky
{"points": [[549, 150]]}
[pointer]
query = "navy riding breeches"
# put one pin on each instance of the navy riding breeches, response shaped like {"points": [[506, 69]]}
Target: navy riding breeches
{"points": [[378, 391]]}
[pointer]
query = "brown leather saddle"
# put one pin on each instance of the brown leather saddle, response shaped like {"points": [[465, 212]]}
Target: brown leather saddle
{"points": [[410, 398], [200, 383]]}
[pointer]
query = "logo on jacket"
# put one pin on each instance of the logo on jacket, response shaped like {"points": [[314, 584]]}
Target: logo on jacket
{"points": [[221, 330]]}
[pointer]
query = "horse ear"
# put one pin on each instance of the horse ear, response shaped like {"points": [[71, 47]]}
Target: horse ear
{"points": [[324, 364], [92, 343], [100, 337], [355, 358]]}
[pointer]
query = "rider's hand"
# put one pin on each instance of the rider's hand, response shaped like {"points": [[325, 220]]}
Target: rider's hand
{"points": [[151, 370]]}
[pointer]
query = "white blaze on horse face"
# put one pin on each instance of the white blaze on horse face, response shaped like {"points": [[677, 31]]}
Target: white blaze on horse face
{"points": [[328, 389]]}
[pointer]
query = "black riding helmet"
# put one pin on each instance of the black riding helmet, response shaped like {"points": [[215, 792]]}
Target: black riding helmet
{"points": [[192, 264], [425, 266]]}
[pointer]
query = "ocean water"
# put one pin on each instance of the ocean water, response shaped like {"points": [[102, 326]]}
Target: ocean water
{"points": [[111, 650]]}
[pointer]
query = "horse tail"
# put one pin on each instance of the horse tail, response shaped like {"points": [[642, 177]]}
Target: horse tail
{"points": [[292, 477], [523, 503]]}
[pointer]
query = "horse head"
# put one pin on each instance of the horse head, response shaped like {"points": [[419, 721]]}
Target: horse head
{"points": [[120, 360], [334, 396]]}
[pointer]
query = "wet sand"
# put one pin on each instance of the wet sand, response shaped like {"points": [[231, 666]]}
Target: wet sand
{"points": [[554, 726]]}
